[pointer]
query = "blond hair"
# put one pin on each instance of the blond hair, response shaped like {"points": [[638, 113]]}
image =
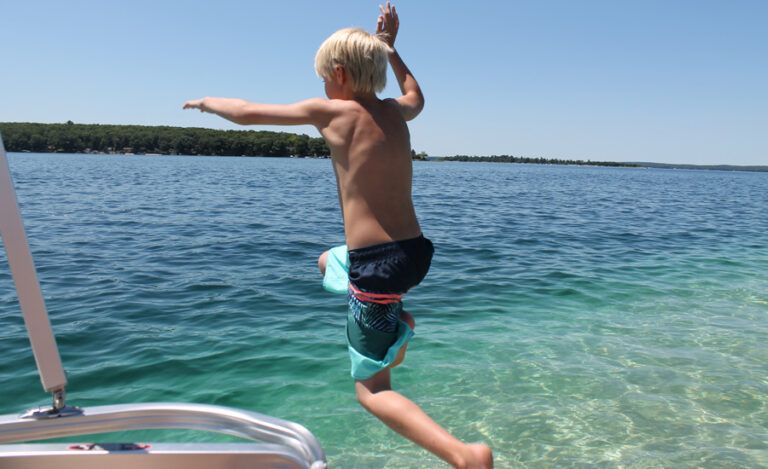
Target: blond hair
{"points": [[363, 56]]}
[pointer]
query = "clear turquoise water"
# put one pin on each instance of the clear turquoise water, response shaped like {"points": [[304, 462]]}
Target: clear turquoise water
{"points": [[574, 317]]}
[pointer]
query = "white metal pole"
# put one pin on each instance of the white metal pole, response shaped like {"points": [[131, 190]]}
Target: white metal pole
{"points": [[27, 286]]}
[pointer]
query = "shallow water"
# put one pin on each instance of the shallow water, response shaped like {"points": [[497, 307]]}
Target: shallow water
{"points": [[573, 317]]}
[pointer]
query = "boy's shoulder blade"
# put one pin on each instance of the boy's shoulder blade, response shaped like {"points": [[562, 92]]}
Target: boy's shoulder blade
{"points": [[344, 103], [344, 106]]}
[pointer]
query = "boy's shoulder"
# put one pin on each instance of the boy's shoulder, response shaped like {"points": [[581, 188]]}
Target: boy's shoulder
{"points": [[342, 118], [351, 110], [387, 108], [347, 105]]}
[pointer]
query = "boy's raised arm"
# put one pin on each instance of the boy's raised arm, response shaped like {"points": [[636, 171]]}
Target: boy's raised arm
{"points": [[412, 101], [310, 112]]}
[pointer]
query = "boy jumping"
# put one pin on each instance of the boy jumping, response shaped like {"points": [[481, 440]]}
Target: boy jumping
{"points": [[388, 255]]}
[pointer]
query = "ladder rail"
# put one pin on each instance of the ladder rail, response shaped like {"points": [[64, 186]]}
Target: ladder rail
{"points": [[128, 417], [62, 421], [30, 296]]}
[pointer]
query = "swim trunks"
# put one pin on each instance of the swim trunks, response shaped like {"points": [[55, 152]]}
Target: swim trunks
{"points": [[336, 279], [379, 276]]}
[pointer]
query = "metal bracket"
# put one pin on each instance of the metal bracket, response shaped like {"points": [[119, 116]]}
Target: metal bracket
{"points": [[59, 395], [43, 413], [58, 409]]}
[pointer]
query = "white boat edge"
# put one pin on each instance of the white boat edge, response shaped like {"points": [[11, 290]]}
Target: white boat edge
{"points": [[287, 444]]}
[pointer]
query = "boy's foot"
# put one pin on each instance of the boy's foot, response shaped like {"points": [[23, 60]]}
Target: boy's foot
{"points": [[479, 456]]}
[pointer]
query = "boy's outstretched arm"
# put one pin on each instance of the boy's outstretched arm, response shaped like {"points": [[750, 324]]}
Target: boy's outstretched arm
{"points": [[311, 111], [412, 101]]}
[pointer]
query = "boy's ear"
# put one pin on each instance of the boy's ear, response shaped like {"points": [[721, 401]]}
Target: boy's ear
{"points": [[340, 74]]}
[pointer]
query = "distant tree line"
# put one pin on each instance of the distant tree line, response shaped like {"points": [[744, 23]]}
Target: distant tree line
{"points": [[96, 138], [530, 160], [714, 167]]}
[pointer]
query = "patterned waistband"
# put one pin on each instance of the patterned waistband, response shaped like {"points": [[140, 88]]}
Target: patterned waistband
{"points": [[379, 298]]}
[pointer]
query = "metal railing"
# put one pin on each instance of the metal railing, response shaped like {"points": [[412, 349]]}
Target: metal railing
{"points": [[103, 419], [295, 442]]}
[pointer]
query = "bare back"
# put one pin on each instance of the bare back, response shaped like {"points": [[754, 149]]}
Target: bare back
{"points": [[371, 150]]}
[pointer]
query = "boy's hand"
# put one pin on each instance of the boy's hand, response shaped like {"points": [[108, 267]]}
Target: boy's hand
{"points": [[388, 24], [195, 104]]}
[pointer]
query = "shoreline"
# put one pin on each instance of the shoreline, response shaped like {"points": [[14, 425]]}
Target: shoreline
{"points": [[442, 159], [129, 140]]}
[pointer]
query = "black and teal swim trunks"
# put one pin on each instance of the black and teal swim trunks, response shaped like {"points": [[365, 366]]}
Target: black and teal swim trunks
{"points": [[378, 277]]}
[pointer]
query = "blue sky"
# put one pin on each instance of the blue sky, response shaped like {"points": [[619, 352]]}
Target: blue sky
{"points": [[666, 81]]}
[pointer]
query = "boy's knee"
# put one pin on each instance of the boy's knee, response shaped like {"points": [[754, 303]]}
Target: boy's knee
{"points": [[322, 261], [363, 395], [365, 391], [407, 317]]}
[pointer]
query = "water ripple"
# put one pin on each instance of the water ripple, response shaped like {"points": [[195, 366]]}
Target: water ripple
{"points": [[574, 317]]}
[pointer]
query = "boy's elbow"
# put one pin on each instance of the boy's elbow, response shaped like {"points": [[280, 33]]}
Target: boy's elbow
{"points": [[245, 114], [237, 119], [418, 97], [415, 105], [420, 103], [413, 113], [240, 120]]}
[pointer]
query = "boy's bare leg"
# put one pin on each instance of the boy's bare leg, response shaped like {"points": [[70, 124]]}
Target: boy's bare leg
{"points": [[408, 319], [406, 418], [322, 261]]}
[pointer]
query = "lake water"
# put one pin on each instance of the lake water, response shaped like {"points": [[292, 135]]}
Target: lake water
{"points": [[573, 317]]}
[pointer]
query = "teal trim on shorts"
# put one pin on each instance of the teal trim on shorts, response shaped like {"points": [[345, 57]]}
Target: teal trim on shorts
{"points": [[364, 367], [336, 279]]}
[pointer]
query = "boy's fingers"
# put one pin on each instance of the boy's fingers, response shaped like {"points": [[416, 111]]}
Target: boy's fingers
{"points": [[193, 104]]}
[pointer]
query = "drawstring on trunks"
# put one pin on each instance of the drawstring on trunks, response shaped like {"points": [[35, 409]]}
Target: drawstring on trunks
{"points": [[379, 298]]}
